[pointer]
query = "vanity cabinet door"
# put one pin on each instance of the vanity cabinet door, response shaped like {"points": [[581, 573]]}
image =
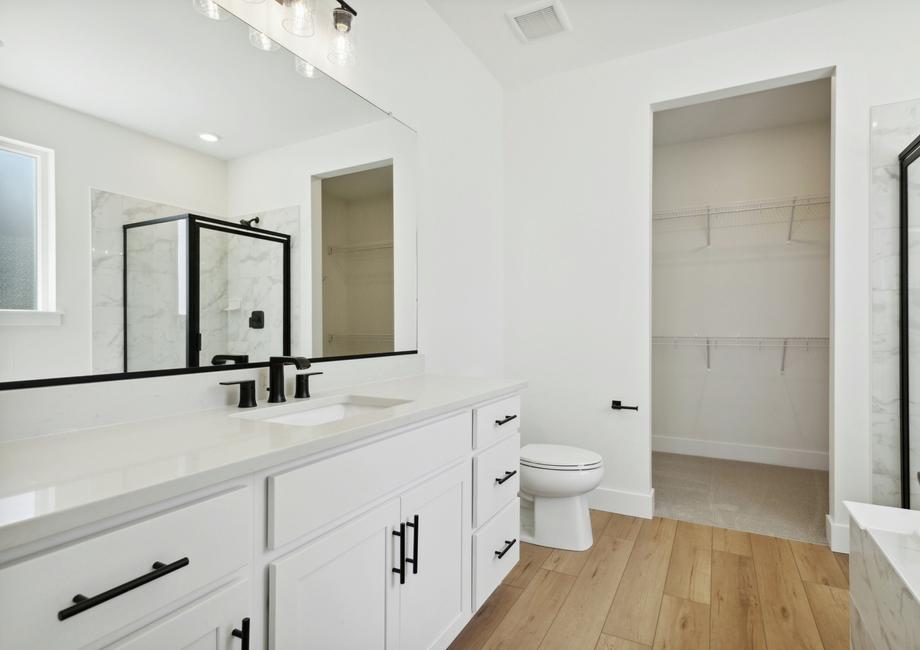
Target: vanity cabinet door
{"points": [[339, 592], [207, 624], [435, 599]]}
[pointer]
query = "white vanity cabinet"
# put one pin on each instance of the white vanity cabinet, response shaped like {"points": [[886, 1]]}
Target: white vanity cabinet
{"points": [[216, 622], [343, 590], [389, 542], [339, 591]]}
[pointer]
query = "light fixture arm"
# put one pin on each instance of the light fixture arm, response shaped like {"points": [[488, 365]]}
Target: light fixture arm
{"points": [[347, 7]]}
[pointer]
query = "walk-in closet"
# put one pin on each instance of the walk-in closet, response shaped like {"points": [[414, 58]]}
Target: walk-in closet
{"points": [[741, 311]]}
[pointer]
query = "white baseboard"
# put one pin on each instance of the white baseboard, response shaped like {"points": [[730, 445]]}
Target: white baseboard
{"points": [[635, 504], [749, 453], [838, 535]]}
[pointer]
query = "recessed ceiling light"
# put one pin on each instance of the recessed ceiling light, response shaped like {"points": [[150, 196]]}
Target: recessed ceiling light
{"points": [[209, 137]]}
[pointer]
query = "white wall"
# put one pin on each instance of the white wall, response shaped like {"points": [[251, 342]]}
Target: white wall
{"points": [[430, 80], [92, 153], [283, 176], [768, 163], [750, 282], [577, 233]]}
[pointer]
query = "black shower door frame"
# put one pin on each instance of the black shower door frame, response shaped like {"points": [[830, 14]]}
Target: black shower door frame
{"points": [[193, 240], [905, 159]]}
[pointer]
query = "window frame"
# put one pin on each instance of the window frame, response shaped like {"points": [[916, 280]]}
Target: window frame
{"points": [[45, 278]]}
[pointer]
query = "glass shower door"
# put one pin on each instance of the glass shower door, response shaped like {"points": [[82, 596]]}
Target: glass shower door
{"points": [[155, 277]]}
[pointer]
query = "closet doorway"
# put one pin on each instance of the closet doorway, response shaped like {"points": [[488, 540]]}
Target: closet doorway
{"points": [[357, 262], [741, 311]]}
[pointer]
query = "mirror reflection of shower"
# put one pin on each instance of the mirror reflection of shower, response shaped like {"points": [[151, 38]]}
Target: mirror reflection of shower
{"points": [[201, 291]]}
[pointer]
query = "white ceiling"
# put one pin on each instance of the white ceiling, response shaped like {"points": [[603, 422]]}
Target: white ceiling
{"points": [[361, 185], [160, 68], [601, 29], [785, 106]]}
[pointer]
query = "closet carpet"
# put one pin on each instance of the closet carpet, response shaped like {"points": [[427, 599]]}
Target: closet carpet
{"points": [[659, 584], [767, 499]]}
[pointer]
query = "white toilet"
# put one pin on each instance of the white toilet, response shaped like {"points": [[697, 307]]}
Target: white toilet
{"points": [[556, 479]]}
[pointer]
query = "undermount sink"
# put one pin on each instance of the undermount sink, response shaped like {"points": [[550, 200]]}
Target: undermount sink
{"points": [[321, 410]]}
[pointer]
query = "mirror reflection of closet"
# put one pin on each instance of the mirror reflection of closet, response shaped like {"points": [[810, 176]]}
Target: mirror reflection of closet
{"points": [[910, 322]]}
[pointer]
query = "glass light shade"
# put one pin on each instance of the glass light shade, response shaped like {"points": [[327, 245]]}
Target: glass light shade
{"points": [[299, 20], [305, 68], [209, 9], [342, 49], [261, 41]]}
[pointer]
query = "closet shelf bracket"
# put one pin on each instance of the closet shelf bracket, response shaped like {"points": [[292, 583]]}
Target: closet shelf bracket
{"points": [[791, 220]]}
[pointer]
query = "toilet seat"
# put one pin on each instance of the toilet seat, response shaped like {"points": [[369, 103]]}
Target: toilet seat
{"points": [[560, 458]]}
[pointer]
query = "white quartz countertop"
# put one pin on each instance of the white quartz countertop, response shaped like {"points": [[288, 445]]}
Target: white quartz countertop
{"points": [[51, 484]]}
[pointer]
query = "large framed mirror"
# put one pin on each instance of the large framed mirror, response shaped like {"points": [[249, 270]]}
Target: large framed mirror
{"points": [[909, 191], [179, 193]]}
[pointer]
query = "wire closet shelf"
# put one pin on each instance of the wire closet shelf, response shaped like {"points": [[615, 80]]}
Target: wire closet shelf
{"points": [[756, 342], [786, 210]]}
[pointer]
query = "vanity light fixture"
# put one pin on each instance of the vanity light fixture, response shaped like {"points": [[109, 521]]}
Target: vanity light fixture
{"points": [[342, 50], [209, 9], [260, 41], [209, 137], [299, 20], [305, 68]]}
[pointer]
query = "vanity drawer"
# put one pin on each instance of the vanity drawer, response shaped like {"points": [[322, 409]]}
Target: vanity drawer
{"points": [[495, 537], [197, 544], [490, 467], [307, 498], [496, 420]]}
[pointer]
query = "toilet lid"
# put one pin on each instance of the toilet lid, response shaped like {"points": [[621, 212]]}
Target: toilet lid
{"points": [[559, 456]]}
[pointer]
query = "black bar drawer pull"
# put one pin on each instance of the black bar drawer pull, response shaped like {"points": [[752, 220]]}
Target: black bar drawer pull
{"points": [[83, 603], [508, 545], [617, 405], [507, 419], [243, 634], [506, 477], [401, 571], [414, 559]]}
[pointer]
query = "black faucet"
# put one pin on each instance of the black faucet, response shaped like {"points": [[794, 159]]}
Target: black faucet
{"points": [[221, 359], [276, 375]]}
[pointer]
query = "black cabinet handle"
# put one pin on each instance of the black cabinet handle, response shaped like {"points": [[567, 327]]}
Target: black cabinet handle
{"points": [[401, 534], [414, 559], [506, 477], [508, 545], [617, 405], [83, 603], [507, 419], [243, 634]]}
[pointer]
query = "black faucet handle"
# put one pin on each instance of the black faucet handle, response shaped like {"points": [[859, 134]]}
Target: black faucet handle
{"points": [[302, 384], [247, 392], [301, 363]]}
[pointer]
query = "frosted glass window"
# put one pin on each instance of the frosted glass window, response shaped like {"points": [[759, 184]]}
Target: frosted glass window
{"points": [[18, 230]]}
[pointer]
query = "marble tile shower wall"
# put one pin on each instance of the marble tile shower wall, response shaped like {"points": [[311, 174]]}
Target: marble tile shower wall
{"points": [[109, 212], [254, 273], [894, 126]]}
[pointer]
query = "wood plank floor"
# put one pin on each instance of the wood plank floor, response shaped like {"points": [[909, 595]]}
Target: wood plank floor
{"points": [[662, 584]]}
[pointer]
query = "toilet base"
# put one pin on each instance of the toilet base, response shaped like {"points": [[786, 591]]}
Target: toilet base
{"points": [[558, 522]]}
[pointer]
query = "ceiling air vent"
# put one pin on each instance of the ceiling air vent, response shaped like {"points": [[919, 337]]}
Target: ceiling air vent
{"points": [[539, 20]]}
